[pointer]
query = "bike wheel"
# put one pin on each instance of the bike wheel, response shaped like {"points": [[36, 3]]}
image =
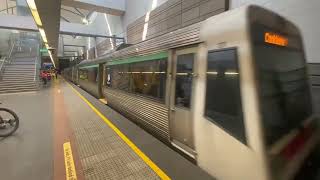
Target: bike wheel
{"points": [[9, 122]]}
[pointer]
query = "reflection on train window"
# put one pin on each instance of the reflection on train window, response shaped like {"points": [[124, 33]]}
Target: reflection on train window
{"points": [[93, 74], [145, 78], [223, 100], [89, 74], [148, 78], [117, 77], [83, 74], [184, 80]]}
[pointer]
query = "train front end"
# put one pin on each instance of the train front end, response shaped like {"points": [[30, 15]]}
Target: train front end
{"points": [[288, 123]]}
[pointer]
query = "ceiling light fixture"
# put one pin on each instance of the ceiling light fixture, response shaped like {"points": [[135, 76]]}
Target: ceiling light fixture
{"points": [[85, 21], [43, 35], [36, 17], [34, 12], [51, 58]]}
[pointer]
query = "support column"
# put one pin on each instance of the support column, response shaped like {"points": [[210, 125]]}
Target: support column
{"points": [[95, 47]]}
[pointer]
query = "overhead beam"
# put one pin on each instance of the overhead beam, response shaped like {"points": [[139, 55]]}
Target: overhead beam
{"points": [[65, 19], [79, 12], [116, 7], [26, 23], [73, 45], [90, 35], [64, 9]]}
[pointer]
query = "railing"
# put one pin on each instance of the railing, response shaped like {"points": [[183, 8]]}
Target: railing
{"points": [[37, 64], [6, 60], [9, 10]]}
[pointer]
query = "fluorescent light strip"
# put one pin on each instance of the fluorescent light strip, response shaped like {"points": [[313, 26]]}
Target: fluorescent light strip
{"points": [[109, 29], [226, 73], [146, 20], [87, 54], [32, 4], [34, 12], [89, 42], [51, 58], [43, 35]]}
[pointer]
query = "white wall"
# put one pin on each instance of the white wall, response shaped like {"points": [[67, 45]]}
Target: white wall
{"points": [[305, 14]]}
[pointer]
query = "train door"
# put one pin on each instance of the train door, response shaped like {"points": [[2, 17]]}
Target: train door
{"points": [[181, 98]]}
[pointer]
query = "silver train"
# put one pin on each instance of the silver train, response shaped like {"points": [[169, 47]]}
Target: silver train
{"points": [[231, 92]]}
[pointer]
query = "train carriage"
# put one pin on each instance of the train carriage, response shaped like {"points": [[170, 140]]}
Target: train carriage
{"points": [[231, 92]]}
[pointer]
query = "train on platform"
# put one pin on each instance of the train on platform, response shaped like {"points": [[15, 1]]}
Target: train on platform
{"points": [[231, 92]]}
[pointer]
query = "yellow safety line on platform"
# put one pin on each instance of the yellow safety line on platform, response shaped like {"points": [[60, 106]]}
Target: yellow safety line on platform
{"points": [[71, 173], [145, 158]]}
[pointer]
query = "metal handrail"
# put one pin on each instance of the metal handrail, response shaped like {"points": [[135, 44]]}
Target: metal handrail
{"points": [[36, 63], [6, 60]]}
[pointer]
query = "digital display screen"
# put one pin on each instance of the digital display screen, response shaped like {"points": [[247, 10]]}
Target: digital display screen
{"points": [[276, 39]]}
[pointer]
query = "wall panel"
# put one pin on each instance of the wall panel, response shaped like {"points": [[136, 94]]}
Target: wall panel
{"points": [[173, 15]]}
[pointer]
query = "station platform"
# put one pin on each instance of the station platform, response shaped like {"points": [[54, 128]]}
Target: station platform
{"points": [[65, 133]]}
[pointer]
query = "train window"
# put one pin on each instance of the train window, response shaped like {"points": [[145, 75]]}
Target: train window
{"points": [[93, 74], [83, 74], [223, 100], [284, 92], [118, 77], [148, 78], [184, 80], [145, 78]]}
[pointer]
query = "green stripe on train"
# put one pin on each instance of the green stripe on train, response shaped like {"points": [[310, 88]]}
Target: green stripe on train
{"points": [[160, 55], [87, 67]]}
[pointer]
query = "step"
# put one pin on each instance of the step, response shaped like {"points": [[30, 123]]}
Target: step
{"points": [[17, 91], [18, 74], [24, 61], [19, 66], [17, 77], [21, 71], [16, 82], [17, 87], [12, 76]]}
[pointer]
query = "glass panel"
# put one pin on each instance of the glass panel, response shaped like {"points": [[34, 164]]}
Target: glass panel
{"points": [[184, 80], [223, 98]]}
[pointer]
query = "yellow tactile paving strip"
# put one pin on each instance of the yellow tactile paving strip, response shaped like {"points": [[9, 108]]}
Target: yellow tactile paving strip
{"points": [[105, 152]]}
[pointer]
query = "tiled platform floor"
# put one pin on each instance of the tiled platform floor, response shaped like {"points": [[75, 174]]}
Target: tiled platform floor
{"points": [[103, 154]]}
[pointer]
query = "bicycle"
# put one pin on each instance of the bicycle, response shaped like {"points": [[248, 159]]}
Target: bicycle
{"points": [[9, 122]]}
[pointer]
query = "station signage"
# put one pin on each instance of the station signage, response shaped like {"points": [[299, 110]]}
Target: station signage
{"points": [[276, 39], [44, 50]]}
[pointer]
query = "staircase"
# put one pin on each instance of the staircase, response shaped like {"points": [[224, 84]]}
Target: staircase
{"points": [[20, 75]]}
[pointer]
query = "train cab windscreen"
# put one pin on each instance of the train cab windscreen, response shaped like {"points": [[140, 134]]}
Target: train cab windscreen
{"points": [[285, 99]]}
